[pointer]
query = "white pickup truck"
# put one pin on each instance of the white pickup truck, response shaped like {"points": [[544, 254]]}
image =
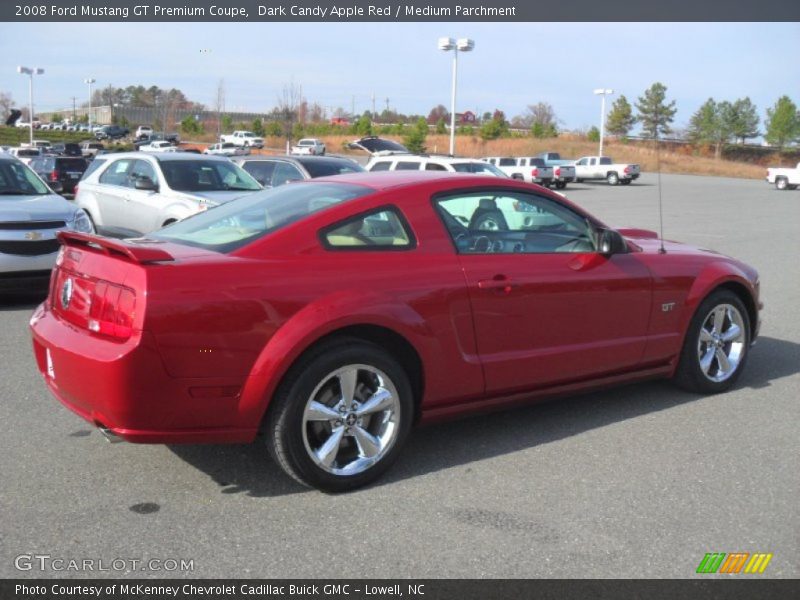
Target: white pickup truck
{"points": [[309, 146], [158, 146], [602, 167], [784, 178], [522, 168], [245, 139]]}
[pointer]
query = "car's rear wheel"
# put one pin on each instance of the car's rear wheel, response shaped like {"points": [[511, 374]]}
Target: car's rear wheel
{"points": [[612, 178], [781, 183], [561, 185], [341, 416], [716, 345]]}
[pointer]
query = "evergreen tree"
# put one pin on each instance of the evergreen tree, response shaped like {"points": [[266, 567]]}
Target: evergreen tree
{"points": [[743, 120], [783, 122], [620, 119], [414, 140], [654, 113]]}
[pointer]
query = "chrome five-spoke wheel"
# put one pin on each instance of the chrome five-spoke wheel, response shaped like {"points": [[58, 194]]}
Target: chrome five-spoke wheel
{"points": [[350, 419], [720, 345]]}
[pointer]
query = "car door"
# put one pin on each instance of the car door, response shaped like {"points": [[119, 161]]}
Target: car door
{"points": [[547, 308], [144, 207], [112, 194]]}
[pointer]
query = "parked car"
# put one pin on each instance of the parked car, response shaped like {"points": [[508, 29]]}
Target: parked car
{"points": [[66, 149], [158, 146], [272, 171], [25, 154], [311, 146], [43, 145], [143, 131], [227, 149], [377, 146], [419, 162], [522, 168], [31, 214], [331, 315], [602, 167], [90, 149], [243, 138], [134, 193], [784, 178], [111, 132], [67, 170]]}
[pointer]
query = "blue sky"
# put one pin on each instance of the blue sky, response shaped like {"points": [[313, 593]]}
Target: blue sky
{"points": [[513, 65]]}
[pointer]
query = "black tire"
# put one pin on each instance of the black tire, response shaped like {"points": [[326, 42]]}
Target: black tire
{"points": [[288, 433], [781, 183], [518, 177], [560, 185], [792, 187], [690, 375], [612, 178], [625, 181]]}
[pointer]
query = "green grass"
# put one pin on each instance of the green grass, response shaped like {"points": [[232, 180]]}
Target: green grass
{"points": [[14, 136]]}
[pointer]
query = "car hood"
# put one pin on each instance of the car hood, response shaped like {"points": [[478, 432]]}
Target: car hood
{"points": [[649, 242], [35, 208]]}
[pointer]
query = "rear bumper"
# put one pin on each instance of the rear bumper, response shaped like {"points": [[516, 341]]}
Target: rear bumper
{"points": [[124, 387]]}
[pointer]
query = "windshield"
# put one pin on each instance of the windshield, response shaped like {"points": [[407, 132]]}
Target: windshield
{"points": [[207, 176], [478, 167], [18, 180], [373, 145], [333, 166], [242, 221]]}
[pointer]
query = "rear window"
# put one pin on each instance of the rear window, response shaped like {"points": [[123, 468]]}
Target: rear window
{"points": [[261, 170], [240, 222], [71, 164], [326, 168], [478, 167]]}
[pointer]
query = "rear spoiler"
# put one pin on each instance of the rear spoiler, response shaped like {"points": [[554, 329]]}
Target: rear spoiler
{"points": [[112, 247]]}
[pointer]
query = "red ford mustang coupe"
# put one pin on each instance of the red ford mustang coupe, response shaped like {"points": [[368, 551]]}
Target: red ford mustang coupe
{"points": [[333, 314]]}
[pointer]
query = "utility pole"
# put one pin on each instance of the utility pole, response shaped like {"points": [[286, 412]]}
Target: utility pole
{"points": [[74, 111], [353, 107], [373, 106], [387, 104]]}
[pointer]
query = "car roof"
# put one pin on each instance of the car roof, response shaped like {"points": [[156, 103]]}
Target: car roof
{"points": [[169, 156], [385, 180]]}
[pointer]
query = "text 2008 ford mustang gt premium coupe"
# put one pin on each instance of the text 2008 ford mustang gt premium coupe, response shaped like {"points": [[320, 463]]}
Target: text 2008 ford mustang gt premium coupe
{"points": [[331, 315]]}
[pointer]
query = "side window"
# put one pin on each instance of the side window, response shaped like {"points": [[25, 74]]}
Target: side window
{"points": [[142, 168], [261, 170], [379, 230], [592, 161], [117, 173], [285, 172], [581, 162], [505, 222], [435, 167], [507, 162], [381, 166], [404, 165]]}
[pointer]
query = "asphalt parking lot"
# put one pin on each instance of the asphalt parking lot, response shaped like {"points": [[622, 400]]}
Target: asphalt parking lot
{"points": [[634, 482]]}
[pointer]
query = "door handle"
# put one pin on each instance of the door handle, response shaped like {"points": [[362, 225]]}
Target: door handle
{"points": [[500, 283]]}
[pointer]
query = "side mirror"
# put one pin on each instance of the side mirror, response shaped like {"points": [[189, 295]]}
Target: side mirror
{"points": [[610, 242], [146, 184]]}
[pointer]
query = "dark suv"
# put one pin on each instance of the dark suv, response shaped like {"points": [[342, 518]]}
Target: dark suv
{"points": [[111, 132], [68, 149], [67, 170]]}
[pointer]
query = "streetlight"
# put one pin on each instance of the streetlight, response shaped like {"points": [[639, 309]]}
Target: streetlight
{"points": [[602, 92], [30, 72], [464, 45], [90, 81]]}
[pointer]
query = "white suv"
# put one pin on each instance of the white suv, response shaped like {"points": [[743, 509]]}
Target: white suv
{"points": [[421, 162], [132, 193]]}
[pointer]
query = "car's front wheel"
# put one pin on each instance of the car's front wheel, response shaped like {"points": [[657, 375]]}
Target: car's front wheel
{"points": [[716, 344], [341, 416]]}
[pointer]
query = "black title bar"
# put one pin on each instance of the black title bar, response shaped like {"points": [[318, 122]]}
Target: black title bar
{"points": [[394, 11]]}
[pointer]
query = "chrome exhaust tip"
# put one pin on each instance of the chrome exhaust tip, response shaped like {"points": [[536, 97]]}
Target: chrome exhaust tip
{"points": [[111, 437]]}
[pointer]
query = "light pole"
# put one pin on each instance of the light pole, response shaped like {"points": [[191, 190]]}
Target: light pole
{"points": [[90, 81], [464, 45], [602, 92], [30, 72]]}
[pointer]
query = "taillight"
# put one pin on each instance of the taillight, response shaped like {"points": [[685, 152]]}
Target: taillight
{"points": [[54, 175], [557, 172], [627, 170], [111, 311], [76, 190], [535, 173]]}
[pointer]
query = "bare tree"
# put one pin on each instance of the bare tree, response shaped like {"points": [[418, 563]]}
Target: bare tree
{"points": [[288, 103], [6, 102]]}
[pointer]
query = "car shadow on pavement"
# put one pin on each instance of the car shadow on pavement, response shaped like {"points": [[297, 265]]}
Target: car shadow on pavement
{"points": [[248, 468]]}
